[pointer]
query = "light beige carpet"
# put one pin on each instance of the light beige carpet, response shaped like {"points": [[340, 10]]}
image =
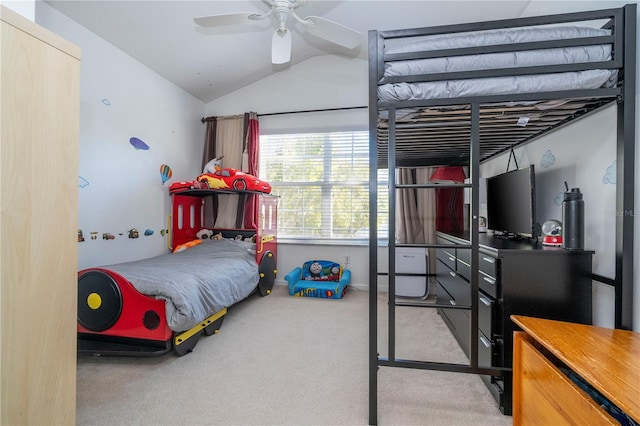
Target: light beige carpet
{"points": [[282, 360]]}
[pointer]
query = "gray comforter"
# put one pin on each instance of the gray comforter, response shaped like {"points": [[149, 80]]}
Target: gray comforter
{"points": [[197, 282]]}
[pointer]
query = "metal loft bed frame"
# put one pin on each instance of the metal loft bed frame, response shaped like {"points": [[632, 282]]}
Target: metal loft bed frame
{"points": [[409, 133]]}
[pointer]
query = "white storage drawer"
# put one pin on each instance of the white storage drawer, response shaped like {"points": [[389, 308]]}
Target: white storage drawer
{"points": [[411, 260]]}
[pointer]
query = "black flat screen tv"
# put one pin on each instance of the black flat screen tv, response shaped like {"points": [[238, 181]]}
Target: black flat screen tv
{"points": [[511, 203]]}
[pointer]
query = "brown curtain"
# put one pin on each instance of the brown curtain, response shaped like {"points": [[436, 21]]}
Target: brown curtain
{"points": [[208, 154], [416, 210], [250, 156], [235, 138]]}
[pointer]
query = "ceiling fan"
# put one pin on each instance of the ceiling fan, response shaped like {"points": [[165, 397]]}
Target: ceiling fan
{"points": [[281, 10]]}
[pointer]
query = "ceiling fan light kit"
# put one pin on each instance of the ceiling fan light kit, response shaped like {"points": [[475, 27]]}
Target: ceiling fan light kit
{"points": [[281, 39]]}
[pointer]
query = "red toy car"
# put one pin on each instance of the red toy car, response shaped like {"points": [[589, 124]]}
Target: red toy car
{"points": [[233, 179], [183, 185]]}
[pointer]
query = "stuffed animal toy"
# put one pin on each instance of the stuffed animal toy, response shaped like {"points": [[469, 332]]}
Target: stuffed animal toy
{"points": [[217, 236], [204, 234], [213, 165], [185, 246]]}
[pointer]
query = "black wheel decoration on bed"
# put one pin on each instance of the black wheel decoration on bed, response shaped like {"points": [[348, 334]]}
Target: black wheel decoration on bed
{"points": [[151, 320], [214, 327], [183, 347], [99, 301], [267, 271]]}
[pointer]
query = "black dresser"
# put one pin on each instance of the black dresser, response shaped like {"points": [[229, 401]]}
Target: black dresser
{"points": [[520, 277]]}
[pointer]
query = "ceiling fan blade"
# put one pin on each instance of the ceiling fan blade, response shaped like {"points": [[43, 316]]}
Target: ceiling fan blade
{"points": [[281, 47], [225, 19], [333, 32]]}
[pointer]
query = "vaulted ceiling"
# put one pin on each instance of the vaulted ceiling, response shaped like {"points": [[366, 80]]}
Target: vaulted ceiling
{"points": [[211, 62]]}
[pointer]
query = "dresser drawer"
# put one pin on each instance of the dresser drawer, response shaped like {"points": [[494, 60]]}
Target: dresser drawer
{"points": [[488, 284], [442, 296], [541, 392], [488, 265], [463, 262], [485, 350], [464, 254], [486, 314], [440, 240], [456, 286], [447, 256], [457, 320], [464, 269], [496, 389], [461, 323]]}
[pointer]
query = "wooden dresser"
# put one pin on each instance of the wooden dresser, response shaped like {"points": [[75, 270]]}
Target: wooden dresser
{"points": [[606, 359]]}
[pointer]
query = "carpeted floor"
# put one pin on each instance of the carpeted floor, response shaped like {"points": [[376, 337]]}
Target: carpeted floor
{"points": [[282, 360]]}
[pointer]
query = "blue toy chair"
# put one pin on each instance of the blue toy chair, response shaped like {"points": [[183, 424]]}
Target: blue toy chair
{"points": [[319, 278]]}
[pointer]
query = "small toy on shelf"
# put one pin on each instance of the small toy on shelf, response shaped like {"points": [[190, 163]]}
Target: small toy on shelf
{"points": [[552, 230], [213, 165], [233, 179], [204, 234], [184, 185]]}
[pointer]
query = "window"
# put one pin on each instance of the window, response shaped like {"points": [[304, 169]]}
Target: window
{"points": [[322, 180]]}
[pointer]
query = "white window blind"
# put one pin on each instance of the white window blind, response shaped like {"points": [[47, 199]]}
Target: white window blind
{"points": [[322, 180]]}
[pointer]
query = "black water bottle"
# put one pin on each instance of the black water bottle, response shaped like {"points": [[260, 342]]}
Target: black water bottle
{"points": [[573, 220]]}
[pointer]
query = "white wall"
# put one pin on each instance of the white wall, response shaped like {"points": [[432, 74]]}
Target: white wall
{"points": [[583, 155], [318, 83], [120, 187], [26, 8], [321, 82]]}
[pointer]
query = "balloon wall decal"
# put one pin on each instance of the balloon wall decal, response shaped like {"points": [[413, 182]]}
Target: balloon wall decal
{"points": [[138, 144], [610, 174], [165, 173]]}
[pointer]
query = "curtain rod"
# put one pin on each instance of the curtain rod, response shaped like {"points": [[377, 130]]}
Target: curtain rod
{"points": [[222, 117], [301, 112], [311, 110]]}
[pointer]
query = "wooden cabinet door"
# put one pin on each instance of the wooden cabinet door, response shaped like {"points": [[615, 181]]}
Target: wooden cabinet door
{"points": [[38, 223]]}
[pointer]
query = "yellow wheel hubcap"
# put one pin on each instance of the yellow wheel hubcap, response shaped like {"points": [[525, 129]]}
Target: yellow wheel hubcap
{"points": [[94, 301]]}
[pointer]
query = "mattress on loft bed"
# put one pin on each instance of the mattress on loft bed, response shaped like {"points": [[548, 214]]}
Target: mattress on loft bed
{"points": [[197, 282], [587, 79]]}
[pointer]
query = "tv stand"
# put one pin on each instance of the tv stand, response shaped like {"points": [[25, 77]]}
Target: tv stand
{"points": [[515, 276]]}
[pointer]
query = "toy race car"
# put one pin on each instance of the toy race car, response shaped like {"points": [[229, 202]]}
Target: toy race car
{"points": [[233, 179], [182, 185]]}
